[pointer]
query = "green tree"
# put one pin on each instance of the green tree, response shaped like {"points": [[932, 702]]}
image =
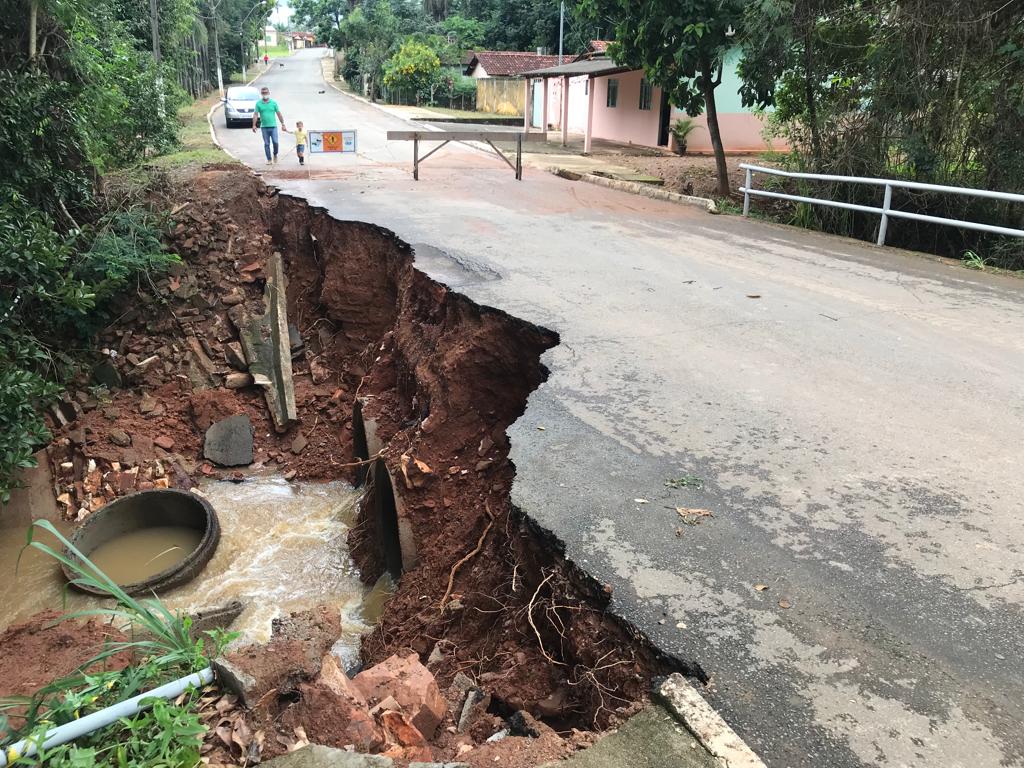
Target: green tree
{"points": [[911, 89], [414, 67], [466, 33], [681, 45], [369, 35]]}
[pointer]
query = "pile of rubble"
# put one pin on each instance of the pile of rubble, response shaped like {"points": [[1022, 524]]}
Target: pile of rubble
{"points": [[293, 692], [207, 343]]}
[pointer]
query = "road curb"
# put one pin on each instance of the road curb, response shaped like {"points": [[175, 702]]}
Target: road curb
{"points": [[707, 726], [635, 188]]}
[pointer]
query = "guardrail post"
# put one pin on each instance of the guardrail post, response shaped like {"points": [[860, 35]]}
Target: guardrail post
{"points": [[884, 224], [746, 192], [519, 157], [416, 159]]}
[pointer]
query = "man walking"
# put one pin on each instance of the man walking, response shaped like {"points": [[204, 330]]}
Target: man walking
{"points": [[266, 115]]}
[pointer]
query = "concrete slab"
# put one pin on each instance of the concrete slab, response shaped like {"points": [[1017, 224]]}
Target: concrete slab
{"points": [[651, 739], [316, 756], [266, 343]]}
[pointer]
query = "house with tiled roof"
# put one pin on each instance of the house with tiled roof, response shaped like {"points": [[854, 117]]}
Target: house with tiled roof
{"points": [[593, 95], [483, 64]]}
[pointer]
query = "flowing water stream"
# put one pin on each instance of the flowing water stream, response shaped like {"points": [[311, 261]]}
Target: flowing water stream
{"points": [[282, 548]]}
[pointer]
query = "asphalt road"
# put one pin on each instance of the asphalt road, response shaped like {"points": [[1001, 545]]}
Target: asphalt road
{"points": [[851, 417]]}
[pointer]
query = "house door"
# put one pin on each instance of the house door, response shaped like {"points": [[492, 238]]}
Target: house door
{"points": [[538, 104], [664, 119]]}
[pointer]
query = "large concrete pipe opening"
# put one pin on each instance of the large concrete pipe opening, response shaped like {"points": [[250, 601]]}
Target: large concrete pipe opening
{"points": [[385, 516], [147, 542]]}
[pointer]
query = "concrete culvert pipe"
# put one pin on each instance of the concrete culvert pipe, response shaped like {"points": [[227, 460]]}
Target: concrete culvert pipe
{"points": [[150, 541]]}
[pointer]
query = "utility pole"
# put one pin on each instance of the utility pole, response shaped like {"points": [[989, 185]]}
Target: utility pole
{"points": [[561, 30], [216, 50], [241, 33]]}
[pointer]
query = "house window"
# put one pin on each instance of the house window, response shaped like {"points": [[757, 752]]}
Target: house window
{"points": [[613, 92], [646, 94], [586, 87]]}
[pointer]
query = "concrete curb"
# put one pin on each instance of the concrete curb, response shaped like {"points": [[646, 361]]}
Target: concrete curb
{"points": [[690, 708], [636, 188]]}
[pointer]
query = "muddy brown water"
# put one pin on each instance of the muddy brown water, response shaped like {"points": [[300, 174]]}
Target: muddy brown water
{"points": [[138, 555], [282, 548]]}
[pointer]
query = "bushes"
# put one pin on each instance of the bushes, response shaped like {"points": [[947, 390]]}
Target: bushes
{"points": [[415, 67], [55, 292]]}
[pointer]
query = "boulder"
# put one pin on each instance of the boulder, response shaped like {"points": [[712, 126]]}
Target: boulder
{"points": [[106, 373], [412, 686], [120, 437], [404, 739], [229, 442]]}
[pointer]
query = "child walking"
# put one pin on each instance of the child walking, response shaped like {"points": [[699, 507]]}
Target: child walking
{"points": [[300, 142]]}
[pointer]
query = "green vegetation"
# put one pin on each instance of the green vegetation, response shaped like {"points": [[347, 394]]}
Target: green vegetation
{"points": [[86, 94], [374, 32], [681, 130], [912, 90], [276, 51], [415, 67], [917, 90], [167, 734]]}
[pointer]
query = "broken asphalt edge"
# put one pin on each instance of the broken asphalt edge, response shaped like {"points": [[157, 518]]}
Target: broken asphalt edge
{"points": [[706, 725], [677, 695]]}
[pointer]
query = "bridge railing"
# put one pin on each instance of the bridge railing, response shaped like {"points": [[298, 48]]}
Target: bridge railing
{"points": [[885, 211]]}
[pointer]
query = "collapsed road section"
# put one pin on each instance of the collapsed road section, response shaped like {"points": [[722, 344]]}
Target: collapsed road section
{"points": [[397, 383]]}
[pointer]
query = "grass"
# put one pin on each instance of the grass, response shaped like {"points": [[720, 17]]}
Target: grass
{"points": [[168, 733], [196, 146], [275, 51]]}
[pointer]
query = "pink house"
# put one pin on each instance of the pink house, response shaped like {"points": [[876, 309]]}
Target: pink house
{"points": [[616, 103]]}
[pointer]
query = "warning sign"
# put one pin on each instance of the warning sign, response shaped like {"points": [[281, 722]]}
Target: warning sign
{"points": [[332, 141]]}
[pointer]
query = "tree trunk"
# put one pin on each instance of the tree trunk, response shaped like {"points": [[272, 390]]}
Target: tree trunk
{"points": [[707, 85], [810, 102], [33, 15]]}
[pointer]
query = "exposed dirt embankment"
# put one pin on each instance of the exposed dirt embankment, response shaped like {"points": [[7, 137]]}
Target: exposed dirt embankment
{"points": [[484, 593], [392, 367]]}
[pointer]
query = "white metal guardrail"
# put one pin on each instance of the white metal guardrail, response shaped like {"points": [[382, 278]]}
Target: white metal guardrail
{"points": [[886, 212]]}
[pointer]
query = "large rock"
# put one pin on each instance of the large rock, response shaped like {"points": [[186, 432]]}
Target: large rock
{"points": [[404, 739], [316, 756], [294, 653], [106, 373], [229, 442], [411, 684]]}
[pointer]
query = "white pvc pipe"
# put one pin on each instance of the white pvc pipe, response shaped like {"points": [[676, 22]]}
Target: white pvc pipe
{"points": [[93, 722]]}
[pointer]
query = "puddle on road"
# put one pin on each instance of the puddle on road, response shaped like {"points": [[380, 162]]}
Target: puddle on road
{"points": [[282, 548], [137, 555]]}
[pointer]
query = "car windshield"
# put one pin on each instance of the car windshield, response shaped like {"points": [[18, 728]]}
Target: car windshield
{"points": [[243, 94]]}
